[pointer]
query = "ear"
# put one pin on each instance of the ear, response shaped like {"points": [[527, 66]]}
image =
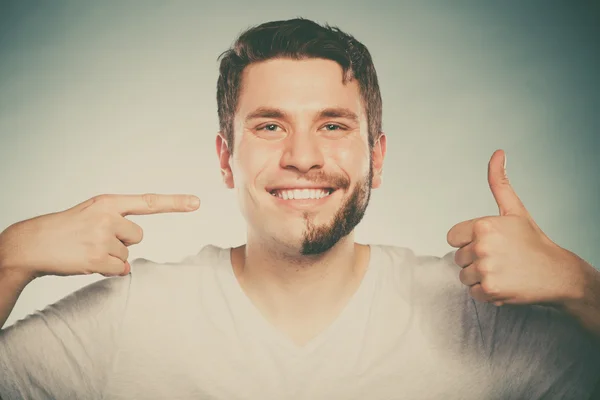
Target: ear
{"points": [[379, 149], [224, 159]]}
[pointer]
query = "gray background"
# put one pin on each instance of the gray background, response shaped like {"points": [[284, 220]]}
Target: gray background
{"points": [[119, 97]]}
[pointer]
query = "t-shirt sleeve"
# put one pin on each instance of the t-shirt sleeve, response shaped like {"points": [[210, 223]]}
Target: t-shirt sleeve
{"points": [[66, 350], [538, 352]]}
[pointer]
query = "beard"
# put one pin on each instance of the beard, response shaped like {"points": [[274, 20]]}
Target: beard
{"points": [[319, 239]]}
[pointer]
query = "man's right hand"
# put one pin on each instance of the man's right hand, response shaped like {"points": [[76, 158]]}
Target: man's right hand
{"points": [[91, 237]]}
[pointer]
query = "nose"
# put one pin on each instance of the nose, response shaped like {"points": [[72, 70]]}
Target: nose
{"points": [[302, 152]]}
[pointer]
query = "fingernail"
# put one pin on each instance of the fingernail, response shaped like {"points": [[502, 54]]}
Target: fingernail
{"points": [[193, 202], [505, 161]]}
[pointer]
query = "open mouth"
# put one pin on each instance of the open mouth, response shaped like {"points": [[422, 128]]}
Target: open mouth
{"points": [[302, 194]]}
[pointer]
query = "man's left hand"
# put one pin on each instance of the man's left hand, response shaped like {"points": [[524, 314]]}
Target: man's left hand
{"points": [[507, 259]]}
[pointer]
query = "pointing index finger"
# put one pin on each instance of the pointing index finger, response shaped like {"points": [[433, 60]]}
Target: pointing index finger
{"points": [[151, 203]]}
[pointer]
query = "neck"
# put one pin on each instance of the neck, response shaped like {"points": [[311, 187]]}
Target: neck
{"points": [[283, 285]]}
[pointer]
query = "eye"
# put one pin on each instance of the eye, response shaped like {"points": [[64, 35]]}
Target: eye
{"points": [[268, 127], [270, 131], [334, 131], [333, 127]]}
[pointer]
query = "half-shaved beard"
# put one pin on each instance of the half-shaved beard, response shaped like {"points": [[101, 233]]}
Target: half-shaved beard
{"points": [[319, 239]]}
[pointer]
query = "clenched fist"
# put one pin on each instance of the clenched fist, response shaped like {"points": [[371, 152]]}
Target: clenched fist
{"points": [[91, 237]]}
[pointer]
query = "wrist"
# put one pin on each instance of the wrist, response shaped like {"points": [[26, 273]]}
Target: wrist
{"points": [[16, 276], [586, 291], [10, 268]]}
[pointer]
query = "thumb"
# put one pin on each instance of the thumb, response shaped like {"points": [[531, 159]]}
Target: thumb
{"points": [[505, 196]]}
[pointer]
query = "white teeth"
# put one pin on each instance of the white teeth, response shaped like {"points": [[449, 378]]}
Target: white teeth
{"points": [[301, 194]]}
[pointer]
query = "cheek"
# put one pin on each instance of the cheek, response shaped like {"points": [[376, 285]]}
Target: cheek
{"points": [[352, 157], [249, 163]]}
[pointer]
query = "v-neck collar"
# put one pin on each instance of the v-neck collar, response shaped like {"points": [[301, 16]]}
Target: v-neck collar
{"points": [[266, 331]]}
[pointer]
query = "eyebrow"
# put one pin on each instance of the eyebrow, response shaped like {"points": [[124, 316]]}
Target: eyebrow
{"points": [[269, 112]]}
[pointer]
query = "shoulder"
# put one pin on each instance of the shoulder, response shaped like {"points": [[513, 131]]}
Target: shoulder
{"points": [[104, 297], [209, 257], [430, 274], [403, 256], [172, 282], [93, 307]]}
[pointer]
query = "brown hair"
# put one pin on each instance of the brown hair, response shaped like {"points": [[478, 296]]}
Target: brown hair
{"points": [[297, 39]]}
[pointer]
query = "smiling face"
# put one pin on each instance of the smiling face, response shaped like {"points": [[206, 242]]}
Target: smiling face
{"points": [[302, 166]]}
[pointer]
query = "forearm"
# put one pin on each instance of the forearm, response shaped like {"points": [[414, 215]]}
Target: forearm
{"points": [[585, 307], [11, 285]]}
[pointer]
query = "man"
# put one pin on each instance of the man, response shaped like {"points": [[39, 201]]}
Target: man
{"points": [[300, 311]]}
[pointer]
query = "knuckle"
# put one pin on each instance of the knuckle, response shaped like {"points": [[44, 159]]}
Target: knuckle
{"points": [[488, 288], [100, 203], [481, 226], [151, 200], [483, 267], [101, 199], [480, 249], [96, 199]]}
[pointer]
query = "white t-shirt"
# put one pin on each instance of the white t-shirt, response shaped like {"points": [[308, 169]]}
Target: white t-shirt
{"points": [[187, 330]]}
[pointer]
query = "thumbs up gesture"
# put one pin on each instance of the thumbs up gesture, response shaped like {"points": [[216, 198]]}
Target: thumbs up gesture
{"points": [[507, 259]]}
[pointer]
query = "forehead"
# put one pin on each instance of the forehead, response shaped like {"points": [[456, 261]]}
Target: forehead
{"points": [[297, 86]]}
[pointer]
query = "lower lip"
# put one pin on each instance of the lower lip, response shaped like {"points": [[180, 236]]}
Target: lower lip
{"points": [[303, 203]]}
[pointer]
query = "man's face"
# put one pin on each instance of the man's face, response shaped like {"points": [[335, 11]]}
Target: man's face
{"points": [[301, 164]]}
